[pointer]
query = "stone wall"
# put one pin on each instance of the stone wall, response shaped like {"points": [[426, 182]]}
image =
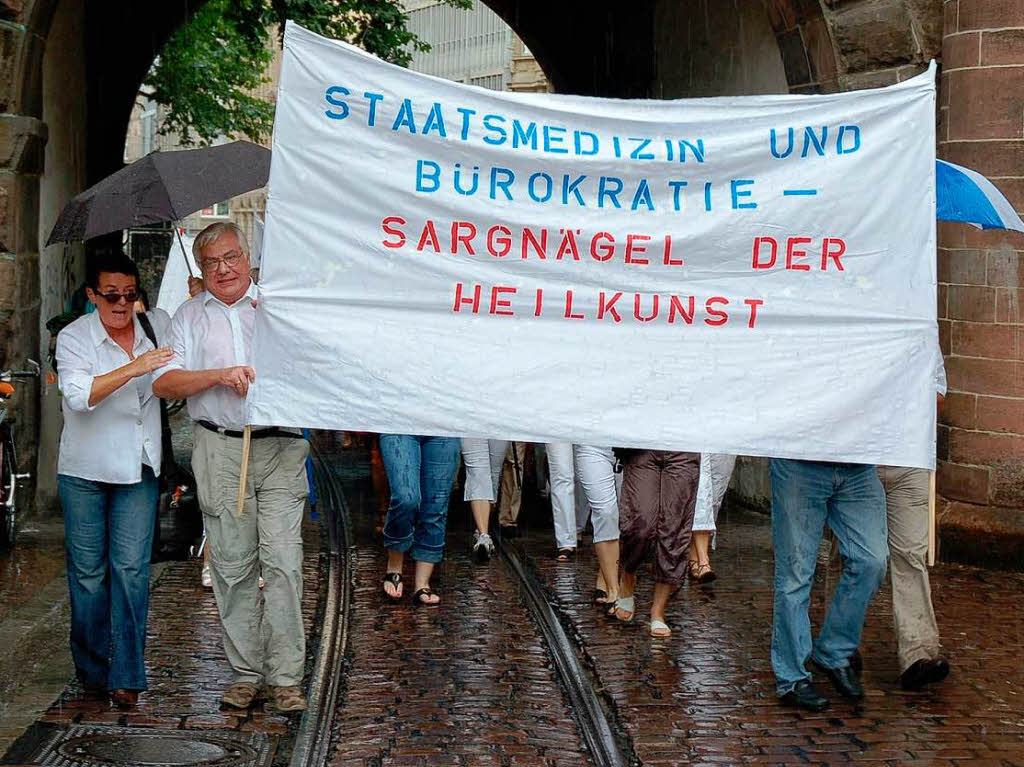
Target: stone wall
{"points": [[981, 438]]}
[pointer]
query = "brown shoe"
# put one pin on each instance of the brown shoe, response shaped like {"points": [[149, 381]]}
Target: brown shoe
{"points": [[287, 699], [124, 698], [241, 695]]}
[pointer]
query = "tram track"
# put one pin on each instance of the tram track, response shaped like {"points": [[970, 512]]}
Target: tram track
{"points": [[312, 741], [314, 746]]}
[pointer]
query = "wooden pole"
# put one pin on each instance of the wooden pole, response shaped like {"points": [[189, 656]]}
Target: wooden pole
{"points": [[243, 470], [931, 518]]}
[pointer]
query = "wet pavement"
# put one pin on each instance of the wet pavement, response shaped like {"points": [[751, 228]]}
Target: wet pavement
{"points": [[466, 683], [471, 682], [35, 661], [706, 695]]}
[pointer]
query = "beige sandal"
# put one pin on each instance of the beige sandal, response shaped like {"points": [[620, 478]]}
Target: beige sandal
{"points": [[241, 695], [659, 629]]}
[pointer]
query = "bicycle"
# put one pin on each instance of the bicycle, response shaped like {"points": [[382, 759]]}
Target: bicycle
{"points": [[9, 476]]}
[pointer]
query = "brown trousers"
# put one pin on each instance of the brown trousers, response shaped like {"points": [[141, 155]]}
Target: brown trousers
{"points": [[656, 505]]}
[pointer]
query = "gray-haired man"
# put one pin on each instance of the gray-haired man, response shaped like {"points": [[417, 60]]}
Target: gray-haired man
{"points": [[211, 337]]}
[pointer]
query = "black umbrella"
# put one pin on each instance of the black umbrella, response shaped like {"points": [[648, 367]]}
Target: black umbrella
{"points": [[163, 186]]}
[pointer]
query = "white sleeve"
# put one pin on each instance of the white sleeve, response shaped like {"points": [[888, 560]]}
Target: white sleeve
{"points": [[75, 369]]}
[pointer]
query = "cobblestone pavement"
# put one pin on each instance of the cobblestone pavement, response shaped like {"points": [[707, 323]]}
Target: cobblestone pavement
{"points": [[466, 683], [706, 695], [185, 662], [35, 661]]}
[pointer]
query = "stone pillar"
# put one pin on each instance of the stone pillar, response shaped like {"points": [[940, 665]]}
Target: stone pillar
{"points": [[981, 319], [22, 139]]}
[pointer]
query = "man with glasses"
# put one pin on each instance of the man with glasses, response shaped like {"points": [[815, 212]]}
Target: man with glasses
{"points": [[211, 336]]}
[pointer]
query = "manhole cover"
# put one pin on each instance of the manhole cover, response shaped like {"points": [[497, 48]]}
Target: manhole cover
{"points": [[91, 746]]}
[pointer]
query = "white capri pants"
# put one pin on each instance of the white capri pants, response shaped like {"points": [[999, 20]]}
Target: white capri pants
{"points": [[595, 467], [715, 472], [563, 496], [483, 459]]}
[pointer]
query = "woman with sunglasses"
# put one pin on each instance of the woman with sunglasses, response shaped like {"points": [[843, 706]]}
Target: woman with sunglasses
{"points": [[110, 453]]}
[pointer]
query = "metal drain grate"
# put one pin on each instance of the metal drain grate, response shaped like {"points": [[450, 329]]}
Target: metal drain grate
{"points": [[97, 746]]}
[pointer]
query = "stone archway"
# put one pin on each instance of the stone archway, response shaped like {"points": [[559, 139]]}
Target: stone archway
{"points": [[641, 49]]}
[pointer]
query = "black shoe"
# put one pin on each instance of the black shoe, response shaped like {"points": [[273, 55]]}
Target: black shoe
{"points": [[856, 663], [509, 531], [845, 680], [805, 695], [924, 672]]}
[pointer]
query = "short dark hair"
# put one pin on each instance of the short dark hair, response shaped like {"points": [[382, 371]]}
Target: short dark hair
{"points": [[113, 262]]}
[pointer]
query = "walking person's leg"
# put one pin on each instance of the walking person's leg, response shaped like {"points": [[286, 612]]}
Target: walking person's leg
{"points": [[715, 472], [439, 460], [596, 469], [279, 473], [800, 491], [638, 517], [917, 633], [563, 502], [132, 511], [856, 514], [511, 493], [677, 495], [234, 559], [483, 472], [84, 503], [401, 456]]}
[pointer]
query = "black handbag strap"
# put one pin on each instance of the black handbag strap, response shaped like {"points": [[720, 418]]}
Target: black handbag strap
{"points": [[165, 421]]}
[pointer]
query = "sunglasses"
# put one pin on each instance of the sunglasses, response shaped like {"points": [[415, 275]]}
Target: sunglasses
{"points": [[130, 296]]}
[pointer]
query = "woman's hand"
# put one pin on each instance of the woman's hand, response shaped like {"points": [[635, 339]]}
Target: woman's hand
{"points": [[150, 361]]}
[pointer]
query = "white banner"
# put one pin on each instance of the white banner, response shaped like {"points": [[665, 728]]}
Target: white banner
{"points": [[735, 275]]}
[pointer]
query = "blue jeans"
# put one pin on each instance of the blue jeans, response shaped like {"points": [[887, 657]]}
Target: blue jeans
{"points": [[420, 473], [805, 496], [108, 532]]}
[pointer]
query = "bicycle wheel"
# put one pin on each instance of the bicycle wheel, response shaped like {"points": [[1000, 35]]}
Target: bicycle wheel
{"points": [[8, 488]]}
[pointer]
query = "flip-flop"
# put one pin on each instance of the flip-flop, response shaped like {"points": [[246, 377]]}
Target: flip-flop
{"points": [[395, 579], [659, 626], [627, 605], [567, 554], [424, 592]]}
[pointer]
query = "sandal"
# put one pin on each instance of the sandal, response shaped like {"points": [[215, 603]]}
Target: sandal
{"points": [[600, 598], [418, 600], [659, 629], [701, 573], [626, 605], [395, 579], [567, 554]]}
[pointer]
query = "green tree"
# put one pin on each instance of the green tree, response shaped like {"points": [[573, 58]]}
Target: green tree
{"points": [[208, 71]]}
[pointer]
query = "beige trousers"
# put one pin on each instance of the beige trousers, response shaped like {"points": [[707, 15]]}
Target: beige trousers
{"points": [[906, 500], [262, 629], [511, 496]]}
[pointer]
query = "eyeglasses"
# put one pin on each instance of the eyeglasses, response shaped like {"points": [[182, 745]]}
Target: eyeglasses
{"points": [[229, 259], [130, 296]]}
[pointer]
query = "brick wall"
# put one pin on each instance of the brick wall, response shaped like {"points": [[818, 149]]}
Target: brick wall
{"points": [[981, 321]]}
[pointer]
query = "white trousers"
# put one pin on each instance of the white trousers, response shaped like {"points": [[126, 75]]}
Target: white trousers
{"points": [[595, 467], [715, 471], [483, 459], [563, 496]]}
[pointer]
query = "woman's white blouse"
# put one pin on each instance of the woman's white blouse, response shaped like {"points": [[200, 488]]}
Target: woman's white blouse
{"points": [[109, 441]]}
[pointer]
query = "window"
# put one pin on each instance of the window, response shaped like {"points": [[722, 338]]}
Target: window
{"points": [[148, 121], [220, 210]]}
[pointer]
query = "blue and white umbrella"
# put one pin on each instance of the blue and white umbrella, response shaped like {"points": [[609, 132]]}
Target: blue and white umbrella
{"points": [[962, 194]]}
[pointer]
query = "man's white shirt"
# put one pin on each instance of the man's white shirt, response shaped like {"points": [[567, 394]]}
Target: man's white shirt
{"points": [[208, 334]]}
